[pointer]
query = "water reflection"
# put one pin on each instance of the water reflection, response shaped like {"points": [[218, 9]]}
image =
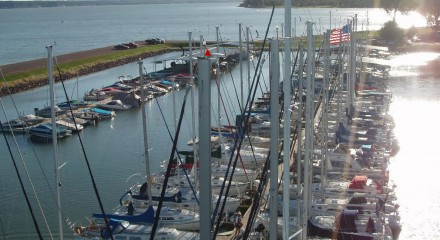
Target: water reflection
{"points": [[410, 64], [414, 169]]}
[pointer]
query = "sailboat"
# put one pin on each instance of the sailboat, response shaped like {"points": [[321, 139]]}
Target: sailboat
{"points": [[144, 212], [55, 140], [180, 219], [126, 230]]}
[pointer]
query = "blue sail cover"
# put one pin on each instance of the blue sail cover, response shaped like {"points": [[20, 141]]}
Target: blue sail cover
{"points": [[101, 111], [168, 83], [174, 198], [145, 217]]}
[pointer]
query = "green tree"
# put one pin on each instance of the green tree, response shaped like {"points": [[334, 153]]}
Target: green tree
{"points": [[394, 6], [392, 33], [431, 10]]}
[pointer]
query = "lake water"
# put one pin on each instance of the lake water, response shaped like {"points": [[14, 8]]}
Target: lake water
{"points": [[114, 147], [25, 32]]}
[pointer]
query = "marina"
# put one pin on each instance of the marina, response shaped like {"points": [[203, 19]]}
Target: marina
{"points": [[358, 149], [129, 88]]}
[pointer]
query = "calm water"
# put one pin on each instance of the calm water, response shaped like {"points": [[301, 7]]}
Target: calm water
{"points": [[114, 148], [416, 112], [25, 32]]}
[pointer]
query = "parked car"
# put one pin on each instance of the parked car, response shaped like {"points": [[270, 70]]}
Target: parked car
{"points": [[153, 41], [131, 44], [121, 47]]}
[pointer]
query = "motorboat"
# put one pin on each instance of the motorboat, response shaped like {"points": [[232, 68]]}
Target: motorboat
{"points": [[44, 131], [114, 105], [22, 123], [95, 96], [74, 127], [46, 112], [72, 104], [102, 113]]}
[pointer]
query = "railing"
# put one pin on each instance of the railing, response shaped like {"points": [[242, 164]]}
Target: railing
{"points": [[295, 234]]}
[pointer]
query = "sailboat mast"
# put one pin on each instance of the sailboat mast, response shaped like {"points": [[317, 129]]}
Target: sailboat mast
{"points": [[218, 87], [309, 126], [274, 136], [144, 127], [240, 60], [193, 112], [326, 85], [352, 65], [287, 89], [248, 58], [54, 137]]}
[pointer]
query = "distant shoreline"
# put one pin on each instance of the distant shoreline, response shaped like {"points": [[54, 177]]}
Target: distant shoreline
{"points": [[98, 63], [43, 4]]}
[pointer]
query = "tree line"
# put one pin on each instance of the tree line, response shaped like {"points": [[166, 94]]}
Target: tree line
{"points": [[311, 3]]}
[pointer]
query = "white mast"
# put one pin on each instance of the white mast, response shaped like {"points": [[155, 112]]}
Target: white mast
{"points": [[309, 126], [299, 124], [144, 127], [218, 87], [350, 74], [324, 111], [193, 122], [287, 88], [55, 138], [240, 60], [274, 136], [248, 58], [352, 65]]}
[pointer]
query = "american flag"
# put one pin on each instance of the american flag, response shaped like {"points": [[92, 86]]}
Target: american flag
{"points": [[338, 34]]}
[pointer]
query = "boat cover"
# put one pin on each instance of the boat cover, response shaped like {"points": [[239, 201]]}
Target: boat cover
{"points": [[358, 182], [345, 221]]}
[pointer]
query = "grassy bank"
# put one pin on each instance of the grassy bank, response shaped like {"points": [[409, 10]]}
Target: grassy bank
{"points": [[24, 76], [19, 78], [74, 66], [71, 66]]}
